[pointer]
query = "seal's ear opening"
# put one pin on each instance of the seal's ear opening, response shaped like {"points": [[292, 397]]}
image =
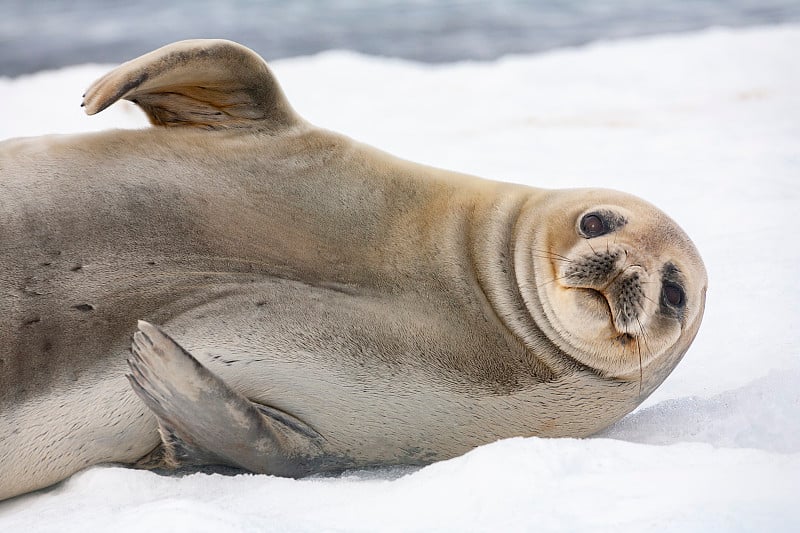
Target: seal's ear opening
{"points": [[206, 83]]}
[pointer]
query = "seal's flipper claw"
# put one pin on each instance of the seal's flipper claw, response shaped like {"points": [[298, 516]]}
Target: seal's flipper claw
{"points": [[204, 421], [207, 83]]}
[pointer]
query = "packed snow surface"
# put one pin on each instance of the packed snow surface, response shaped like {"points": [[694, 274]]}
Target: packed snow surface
{"points": [[706, 126]]}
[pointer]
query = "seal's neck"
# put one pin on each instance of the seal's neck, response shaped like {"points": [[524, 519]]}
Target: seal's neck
{"points": [[494, 242]]}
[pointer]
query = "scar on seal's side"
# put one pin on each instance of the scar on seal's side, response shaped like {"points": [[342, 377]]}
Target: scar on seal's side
{"points": [[320, 304]]}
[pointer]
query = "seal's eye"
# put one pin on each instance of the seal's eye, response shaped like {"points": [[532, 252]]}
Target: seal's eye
{"points": [[673, 294], [593, 225]]}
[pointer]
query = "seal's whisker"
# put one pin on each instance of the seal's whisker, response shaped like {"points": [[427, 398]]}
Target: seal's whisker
{"points": [[647, 298], [625, 264], [553, 254], [641, 373], [554, 258], [559, 278], [647, 351]]}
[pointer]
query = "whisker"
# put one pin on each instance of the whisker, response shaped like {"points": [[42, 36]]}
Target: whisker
{"points": [[553, 254], [647, 298], [647, 349], [625, 264], [540, 285], [639, 353], [554, 258]]}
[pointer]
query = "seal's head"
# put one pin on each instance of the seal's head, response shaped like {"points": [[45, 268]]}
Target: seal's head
{"points": [[621, 286]]}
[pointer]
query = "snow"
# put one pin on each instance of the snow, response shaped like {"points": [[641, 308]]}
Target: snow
{"points": [[704, 125]]}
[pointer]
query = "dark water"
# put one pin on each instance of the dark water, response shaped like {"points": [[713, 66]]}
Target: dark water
{"points": [[42, 34]]}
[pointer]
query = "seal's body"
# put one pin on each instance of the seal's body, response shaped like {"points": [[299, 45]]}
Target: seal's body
{"points": [[331, 306]]}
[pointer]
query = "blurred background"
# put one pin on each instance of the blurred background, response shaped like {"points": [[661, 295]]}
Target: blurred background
{"points": [[47, 34]]}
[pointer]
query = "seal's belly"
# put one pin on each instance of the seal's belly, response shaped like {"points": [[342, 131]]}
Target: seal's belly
{"points": [[333, 359], [366, 371]]}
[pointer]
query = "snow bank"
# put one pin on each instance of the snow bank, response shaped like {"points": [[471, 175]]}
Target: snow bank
{"points": [[512, 485], [707, 127]]}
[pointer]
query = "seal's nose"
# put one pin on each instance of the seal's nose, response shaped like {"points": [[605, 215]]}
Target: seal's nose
{"points": [[617, 278], [626, 300]]}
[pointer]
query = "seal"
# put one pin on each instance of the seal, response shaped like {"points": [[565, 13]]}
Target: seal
{"points": [[307, 303]]}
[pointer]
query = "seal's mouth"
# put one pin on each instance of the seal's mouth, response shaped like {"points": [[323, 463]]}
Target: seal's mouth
{"points": [[598, 305], [595, 295], [598, 300], [608, 287], [621, 336]]}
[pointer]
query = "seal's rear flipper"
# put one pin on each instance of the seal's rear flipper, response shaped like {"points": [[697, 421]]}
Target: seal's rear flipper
{"points": [[207, 83], [203, 421]]}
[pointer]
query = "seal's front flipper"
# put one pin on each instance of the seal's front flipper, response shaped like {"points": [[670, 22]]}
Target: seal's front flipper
{"points": [[203, 421], [206, 83]]}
